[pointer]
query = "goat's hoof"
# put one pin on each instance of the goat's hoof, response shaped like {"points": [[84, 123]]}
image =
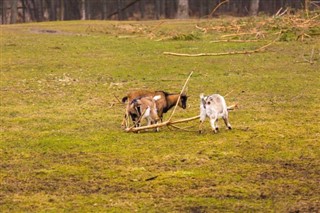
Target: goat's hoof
{"points": [[229, 127], [200, 131]]}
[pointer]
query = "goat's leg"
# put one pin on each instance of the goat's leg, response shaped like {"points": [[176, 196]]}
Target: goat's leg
{"points": [[226, 121], [156, 129], [200, 126], [213, 120], [124, 122], [216, 124], [148, 121], [202, 118], [127, 119]]}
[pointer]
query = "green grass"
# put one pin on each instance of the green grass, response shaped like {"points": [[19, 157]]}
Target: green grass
{"points": [[62, 147]]}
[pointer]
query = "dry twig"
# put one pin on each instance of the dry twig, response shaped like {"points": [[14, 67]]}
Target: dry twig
{"points": [[231, 40]]}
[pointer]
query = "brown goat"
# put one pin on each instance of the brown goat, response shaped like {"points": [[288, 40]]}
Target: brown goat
{"points": [[164, 104], [146, 109]]}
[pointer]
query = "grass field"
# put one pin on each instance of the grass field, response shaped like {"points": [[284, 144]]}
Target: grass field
{"points": [[62, 148]]}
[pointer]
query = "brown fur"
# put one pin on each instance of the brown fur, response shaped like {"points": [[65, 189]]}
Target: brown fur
{"points": [[164, 104]]}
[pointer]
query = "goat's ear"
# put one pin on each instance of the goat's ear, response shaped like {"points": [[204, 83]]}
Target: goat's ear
{"points": [[124, 99], [201, 96]]}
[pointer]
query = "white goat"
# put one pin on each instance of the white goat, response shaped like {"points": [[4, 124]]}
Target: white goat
{"points": [[214, 107], [145, 107]]}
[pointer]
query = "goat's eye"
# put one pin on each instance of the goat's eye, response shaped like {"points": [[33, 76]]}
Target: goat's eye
{"points": [[208, 102]]}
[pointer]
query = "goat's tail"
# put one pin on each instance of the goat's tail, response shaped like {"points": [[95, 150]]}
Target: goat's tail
{"points": [[124, 99]]}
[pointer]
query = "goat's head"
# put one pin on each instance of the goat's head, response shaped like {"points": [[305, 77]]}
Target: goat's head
{"points": [[203, 100], [183, 101]]}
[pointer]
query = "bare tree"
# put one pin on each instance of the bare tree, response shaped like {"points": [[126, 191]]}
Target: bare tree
{"points": [[52, 10], [83, 9], [157, 9], [141, 8], [14, 11], [104, 9], [183, 9], [254, 7], [61, 10]]}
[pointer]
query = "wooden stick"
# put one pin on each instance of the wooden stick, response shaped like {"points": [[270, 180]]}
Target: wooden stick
{"points": [[238, 34], [286, 10], [232, 107], [183, 88], [279, 11], [228, 93], [202, 29], [214, 10], [117, 99], [230, 40], [213, 54], [166, 123]]}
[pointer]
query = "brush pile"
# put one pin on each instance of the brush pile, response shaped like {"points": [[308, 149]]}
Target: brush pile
{"points": [[292, 27]]}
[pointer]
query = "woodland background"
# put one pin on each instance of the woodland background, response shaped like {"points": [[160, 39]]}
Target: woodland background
{"points": [[18, 11]]}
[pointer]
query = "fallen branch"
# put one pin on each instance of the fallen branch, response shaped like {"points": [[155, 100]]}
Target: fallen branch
{"points": [[215, 9], [166, 123], [231, 40], [204, 30], [171, 123], [261, 49], [240, 34]]}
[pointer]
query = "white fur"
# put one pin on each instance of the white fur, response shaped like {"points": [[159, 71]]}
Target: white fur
{"points": [[213, 107]]}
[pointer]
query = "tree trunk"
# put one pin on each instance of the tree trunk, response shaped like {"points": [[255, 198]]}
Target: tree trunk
{"points": [[120, 13], [201, 8], [52, 10], [14, 11], [157, 9], [183, 9], [254, 7], [141, 7], [104, 10], [41, 12], [61, 10], [83, 9], [89, 13]]}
